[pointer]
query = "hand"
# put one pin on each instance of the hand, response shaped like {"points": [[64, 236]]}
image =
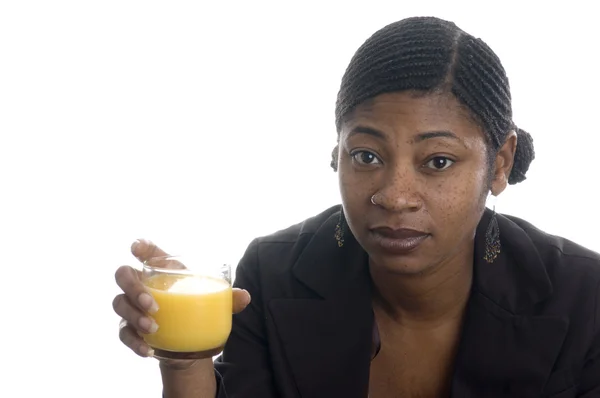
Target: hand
{"points": [[135, 306]]}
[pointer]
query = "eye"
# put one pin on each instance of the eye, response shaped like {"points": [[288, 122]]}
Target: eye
{"points": [[439, 163], [365, 158]]}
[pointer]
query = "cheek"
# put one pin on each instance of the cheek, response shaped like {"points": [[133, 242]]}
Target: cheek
{"points": [[355, 193], [457, 201]]}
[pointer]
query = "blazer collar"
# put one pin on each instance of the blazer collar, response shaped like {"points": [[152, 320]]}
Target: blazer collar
{"points": [[507, 348], [517, 279], [326, 268], [328, 340]]}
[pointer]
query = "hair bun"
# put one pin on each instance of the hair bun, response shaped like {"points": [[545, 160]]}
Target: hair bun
{"points": [[524, 155]]}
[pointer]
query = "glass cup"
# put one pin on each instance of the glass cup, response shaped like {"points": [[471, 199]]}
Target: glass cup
{"points": [[194, 306]]}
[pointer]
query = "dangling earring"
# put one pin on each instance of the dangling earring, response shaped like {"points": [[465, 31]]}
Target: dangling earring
{"points": [[492, 237], [340, 229]]}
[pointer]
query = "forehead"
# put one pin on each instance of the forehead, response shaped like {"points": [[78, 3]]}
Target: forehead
{"points": [[414, 112]]}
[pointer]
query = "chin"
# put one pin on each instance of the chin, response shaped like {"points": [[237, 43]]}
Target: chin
{"points": [[414, 262], [401, 266]]}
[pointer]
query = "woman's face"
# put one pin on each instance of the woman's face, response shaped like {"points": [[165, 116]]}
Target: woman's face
{"points": [[425, 162]]}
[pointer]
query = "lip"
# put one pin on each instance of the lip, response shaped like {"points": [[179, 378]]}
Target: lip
{"points": [[398, 241]]}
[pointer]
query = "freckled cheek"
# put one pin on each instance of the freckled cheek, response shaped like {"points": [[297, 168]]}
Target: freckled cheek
{"points": [[454, 202]]}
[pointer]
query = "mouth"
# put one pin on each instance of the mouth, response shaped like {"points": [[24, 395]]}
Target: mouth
{"points": [[398, 241]]}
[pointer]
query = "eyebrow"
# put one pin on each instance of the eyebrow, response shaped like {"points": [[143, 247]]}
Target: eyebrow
{"points": [[419, 138], [366, 130], [436, 134]]}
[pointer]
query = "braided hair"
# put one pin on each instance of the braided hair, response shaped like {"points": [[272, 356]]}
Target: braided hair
{"points": [[431, 55]]}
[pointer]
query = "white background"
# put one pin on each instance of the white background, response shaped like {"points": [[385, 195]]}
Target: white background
{"points": [[202, 126]]}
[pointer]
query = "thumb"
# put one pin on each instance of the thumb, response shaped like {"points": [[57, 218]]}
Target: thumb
{"points": [[241, 299]]}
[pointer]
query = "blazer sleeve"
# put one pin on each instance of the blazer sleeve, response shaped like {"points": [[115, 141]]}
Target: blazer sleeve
{"points": [[589, 385], [243, 370]]}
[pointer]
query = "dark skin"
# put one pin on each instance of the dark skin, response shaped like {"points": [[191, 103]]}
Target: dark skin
{"points": [[426, 162]]}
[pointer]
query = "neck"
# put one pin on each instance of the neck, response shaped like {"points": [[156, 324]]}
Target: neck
{"points": [[426, 299]]}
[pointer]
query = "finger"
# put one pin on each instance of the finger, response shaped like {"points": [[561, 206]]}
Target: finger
{"points": [[135, 318], [128, 279], [131, 339], [147, 252], [144, 249], [241, 299]]}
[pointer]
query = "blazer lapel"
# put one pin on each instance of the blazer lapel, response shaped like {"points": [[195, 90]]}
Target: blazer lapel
{"points": [[336, 326], [506, 350]]}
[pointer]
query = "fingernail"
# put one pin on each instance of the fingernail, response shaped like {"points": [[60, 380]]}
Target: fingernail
{"points": [[248, 297], [135, 245], [146, 301], [148, 324], [153, 327], [149, 352]]}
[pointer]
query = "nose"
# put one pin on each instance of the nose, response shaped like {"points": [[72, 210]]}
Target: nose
{"points": [[400, 192]]}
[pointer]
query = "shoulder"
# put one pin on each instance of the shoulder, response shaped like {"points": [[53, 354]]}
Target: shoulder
{"points": [[277, 252], [573, 271], [293, 233], [562, 257], [574, 274]]}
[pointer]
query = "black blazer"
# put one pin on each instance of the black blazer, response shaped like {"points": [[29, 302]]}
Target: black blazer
{"points": [[532, 326]]}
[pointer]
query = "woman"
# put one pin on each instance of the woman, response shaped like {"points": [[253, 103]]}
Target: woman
{"points": [[411, 288]]}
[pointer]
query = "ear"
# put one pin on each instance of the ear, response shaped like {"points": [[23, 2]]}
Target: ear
{"points": [[504, 163], [334, 158]]}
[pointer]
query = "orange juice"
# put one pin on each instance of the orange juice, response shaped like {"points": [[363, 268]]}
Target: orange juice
{"points": [[194, 312]]}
